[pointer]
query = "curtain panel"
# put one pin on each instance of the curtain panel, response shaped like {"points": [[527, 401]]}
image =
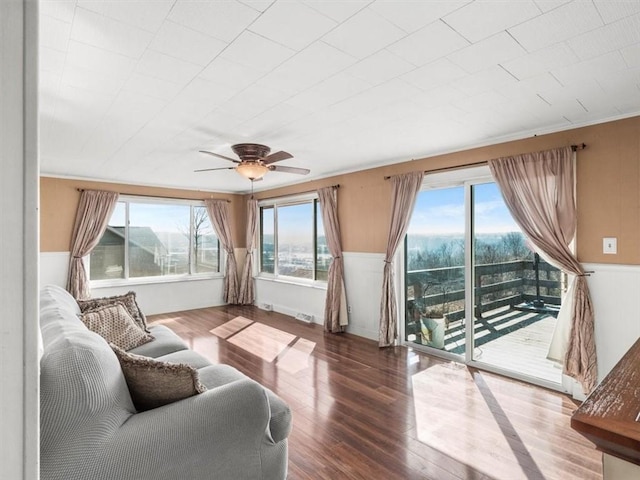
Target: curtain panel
{"points": [[219, 214], [247, 291], [335, 314], [93, 214], [538, 188], [405, 189]]}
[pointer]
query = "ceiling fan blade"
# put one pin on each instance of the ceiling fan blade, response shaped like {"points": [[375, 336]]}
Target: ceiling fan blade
{"points": [[276, 157], [219, 156], [212, 169], [282, 168]]}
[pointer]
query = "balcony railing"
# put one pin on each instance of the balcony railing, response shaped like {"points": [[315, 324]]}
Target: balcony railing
{"points": [[496, 285]]}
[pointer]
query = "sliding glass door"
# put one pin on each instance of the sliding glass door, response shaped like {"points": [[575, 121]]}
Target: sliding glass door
{"points": [[475, 290]]}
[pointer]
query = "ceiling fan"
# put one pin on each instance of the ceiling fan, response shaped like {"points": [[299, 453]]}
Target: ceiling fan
{"points": [[255, 161]]}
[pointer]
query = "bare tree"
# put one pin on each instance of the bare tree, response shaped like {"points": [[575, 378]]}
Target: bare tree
{"points": [[201, 229], [487, 253], [515, 247]]}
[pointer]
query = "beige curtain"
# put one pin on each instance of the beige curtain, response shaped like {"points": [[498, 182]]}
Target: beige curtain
{"points": [[538, 189], [93, 214], [247, 295], [335, 314], [405, 191], [219, 214]]}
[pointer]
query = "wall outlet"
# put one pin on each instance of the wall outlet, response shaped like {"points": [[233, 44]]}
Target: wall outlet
{"points": [[266, 306], [610, 245], [349, 309]]}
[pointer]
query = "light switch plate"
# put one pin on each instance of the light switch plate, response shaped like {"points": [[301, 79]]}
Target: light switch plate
{"points": [[610, 245]]}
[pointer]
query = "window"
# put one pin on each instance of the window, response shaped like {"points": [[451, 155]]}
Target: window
{"points": [[156, 239], [292, 241]]}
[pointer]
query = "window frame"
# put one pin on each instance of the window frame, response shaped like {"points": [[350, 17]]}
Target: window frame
{"points": [[307, 198], [182, 277]]}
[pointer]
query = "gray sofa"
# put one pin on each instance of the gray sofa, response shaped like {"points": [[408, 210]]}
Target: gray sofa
{"points": [[90, 429]]}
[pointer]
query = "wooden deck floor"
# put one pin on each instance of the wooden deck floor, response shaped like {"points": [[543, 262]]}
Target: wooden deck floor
{"points": [[361, 412], [511, 340]]}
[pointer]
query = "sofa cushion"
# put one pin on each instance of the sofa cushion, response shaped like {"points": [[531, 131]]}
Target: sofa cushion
{"points": [[165, 341], [115, 325], [281, 420], [128, 300], [188, 357], [57, 297], [153, 383]]}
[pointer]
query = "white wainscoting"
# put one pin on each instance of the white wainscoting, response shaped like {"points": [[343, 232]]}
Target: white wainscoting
{"points": [[53, 268], [291, 298], [363, 282], [162, 297], [615, 292]]}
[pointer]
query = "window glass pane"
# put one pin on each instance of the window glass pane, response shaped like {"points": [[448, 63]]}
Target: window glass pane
{"points": [[267, 244], [517, 294], [107, 258], [206, 257], [323, 257], [158, 239], [435, 285], [295, 240]]}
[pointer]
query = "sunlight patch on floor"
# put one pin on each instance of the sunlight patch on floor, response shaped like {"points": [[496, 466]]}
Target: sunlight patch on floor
{"points": [[459, 416], [268, 343], [232, 326], [297, 357]]}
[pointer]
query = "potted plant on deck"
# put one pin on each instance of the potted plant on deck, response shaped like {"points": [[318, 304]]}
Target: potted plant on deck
{"points": [[433, 324]]}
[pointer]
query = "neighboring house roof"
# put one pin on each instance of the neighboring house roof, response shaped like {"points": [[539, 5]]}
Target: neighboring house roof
{"points": [[142, 237]]}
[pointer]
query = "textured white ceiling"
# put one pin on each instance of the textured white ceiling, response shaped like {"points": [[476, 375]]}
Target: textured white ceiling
{"points": [[131, 90]]}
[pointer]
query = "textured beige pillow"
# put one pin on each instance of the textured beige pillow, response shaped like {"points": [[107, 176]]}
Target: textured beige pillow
{"points": [[128, 300], [115, 325], [153, 383]]}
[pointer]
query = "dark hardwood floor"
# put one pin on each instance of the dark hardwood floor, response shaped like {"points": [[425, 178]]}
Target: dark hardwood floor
{"points": [[361, 412]]}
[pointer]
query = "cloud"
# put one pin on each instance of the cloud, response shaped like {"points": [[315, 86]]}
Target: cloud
{"points": [[447, 210], [485, 208]]}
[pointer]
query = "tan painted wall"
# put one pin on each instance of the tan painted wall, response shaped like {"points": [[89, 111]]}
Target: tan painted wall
{"points": [[608, 190], [608, 193], [59, 201]]}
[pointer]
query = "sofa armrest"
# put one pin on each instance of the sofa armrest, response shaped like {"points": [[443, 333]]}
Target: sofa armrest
{"points": [[218, 433]]}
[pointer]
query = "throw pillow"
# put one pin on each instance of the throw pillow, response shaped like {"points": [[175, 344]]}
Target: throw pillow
{"points": [[128, 300], [115, 325], [153, 383]]}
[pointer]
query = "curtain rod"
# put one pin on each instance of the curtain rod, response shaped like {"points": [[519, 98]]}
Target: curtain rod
{"points": [[582, 146], [337, 185], [158, 196]]}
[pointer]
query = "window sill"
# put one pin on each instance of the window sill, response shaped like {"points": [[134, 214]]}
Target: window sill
{"points": [[289, 281], [119, 282]]}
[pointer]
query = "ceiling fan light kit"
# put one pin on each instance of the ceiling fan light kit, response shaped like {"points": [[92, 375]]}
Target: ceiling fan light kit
{"points": [[255, 161], [252, 170]]}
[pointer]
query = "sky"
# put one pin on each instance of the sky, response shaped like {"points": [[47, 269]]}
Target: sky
{"points": [[437, 212], [441, 211], [291, 218], [160, 217], [295, 220]]}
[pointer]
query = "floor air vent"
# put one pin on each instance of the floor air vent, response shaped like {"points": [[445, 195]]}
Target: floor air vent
{"points": [[305, 317]]}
